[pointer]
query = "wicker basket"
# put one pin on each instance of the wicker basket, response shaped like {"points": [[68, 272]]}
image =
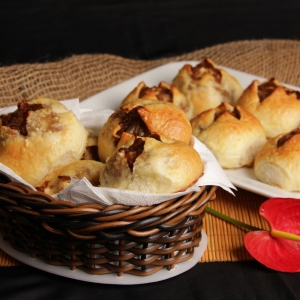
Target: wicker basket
{"points": [[120, 239]]}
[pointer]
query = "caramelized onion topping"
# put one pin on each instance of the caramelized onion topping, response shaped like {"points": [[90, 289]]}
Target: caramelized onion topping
{"points": [[197, 74], [297, 93], [218, 114], [155, 136], [161, 93], [136, 149], [133, 124], [17, 119], [222, 109], [42, 187], [287, 136], [267, 88], [133, 152], [91, 152], [236, 113], [144, 91]]}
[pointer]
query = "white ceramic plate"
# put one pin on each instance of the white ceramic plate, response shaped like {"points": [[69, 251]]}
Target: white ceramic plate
{"points": [[126, 279], [111, 98]]}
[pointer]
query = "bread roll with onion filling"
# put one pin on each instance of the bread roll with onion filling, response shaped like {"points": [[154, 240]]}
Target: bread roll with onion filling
{"points": [[143, 118], [207, 86], [39, 137], [152, 165], [231, 133], [62, 178], [162, 92], [277, 107], [278, 162]]}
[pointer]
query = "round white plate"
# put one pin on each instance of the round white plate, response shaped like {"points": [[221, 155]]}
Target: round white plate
{"points": [[126, 279]]}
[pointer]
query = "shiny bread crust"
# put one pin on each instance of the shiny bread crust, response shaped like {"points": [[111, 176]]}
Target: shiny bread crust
{"points": [[152, 116], [278, 112], [157, 166], [55, 137], [278, 162], [210, 88], [162, 92], [232, 134], [62, 178]]}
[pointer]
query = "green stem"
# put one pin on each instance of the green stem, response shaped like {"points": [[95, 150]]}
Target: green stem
{"points": [[285, 235], [230, 220], [274, 233]]}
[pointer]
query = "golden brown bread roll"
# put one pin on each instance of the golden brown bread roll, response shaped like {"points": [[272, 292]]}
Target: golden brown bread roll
{"points": [[277, 107], [143, 118], [231, 133], [207, 86], [61, 179], [162, 92], [40, 136], [278, 162], [90, 169], [152, 165]]}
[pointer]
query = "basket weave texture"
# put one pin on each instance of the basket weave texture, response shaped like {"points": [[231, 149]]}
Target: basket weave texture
{"points": [[120, 239]]}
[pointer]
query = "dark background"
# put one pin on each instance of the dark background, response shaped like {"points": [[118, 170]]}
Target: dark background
{"points": [[49, 30]]}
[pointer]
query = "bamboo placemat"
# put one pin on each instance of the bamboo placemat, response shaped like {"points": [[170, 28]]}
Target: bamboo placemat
{"points": [[82, 76]]}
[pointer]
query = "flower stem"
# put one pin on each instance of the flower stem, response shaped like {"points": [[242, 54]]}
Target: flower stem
{"points": [[273, 232], [285, 235], [230, 220]]}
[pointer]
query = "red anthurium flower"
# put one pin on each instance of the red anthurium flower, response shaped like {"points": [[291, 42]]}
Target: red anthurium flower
{"points": [[278, 249]]}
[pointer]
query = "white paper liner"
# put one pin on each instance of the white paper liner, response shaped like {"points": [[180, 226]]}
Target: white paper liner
{"points": [[81, 191]]}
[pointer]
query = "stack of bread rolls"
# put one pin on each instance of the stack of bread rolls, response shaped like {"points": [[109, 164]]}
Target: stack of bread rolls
{"points": [[145, 145], [242, 127]]}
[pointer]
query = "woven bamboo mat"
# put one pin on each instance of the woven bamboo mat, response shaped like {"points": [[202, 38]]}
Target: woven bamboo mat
{"points": [[82, 76]]}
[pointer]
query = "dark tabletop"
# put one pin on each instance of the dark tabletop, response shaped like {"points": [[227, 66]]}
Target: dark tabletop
{"points": [[230, 280]]}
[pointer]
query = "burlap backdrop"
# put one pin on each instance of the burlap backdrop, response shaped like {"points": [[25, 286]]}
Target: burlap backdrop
{"points": [[82, 76]]}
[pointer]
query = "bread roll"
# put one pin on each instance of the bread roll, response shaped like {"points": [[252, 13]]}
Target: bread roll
{"points": [[90, 169], [143, 118], [277, 107], [232, 134], [162, 92], [207, 86], [62, 178], [278, 162], [40, 136], [152, 165]]}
